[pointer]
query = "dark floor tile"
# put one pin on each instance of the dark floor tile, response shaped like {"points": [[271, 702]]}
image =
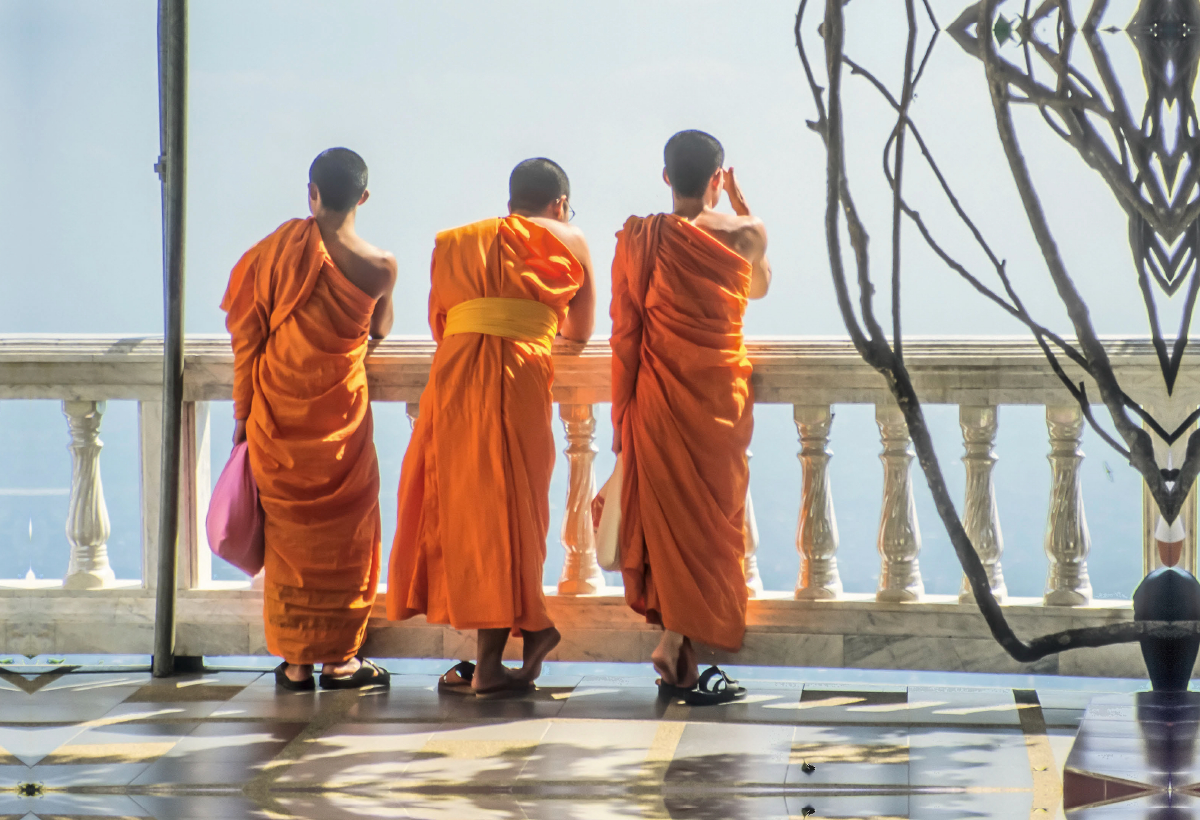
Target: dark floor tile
{"points": [[220, 754]]}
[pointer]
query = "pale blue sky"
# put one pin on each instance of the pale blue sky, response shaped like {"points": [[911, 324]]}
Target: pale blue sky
{"points": [[442, 99]]}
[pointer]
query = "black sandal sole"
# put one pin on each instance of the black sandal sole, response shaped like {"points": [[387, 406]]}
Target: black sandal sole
{"points": [[376, 676], [282, 681]]}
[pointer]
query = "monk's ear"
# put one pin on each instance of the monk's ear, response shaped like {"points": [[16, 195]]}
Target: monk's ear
{"points": [[314, 194], [363, 199], [666, 178]]}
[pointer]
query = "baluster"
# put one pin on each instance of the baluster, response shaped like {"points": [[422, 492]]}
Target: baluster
{"points": [[899, 534], [87, 522], [981, 518], [817, 533], [754, 584], [1067, 538], [581, 574]]}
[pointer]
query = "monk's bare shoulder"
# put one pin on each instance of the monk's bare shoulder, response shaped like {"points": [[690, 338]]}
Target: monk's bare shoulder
{"points": [[567, 234], [372, 269], [744, 235]]}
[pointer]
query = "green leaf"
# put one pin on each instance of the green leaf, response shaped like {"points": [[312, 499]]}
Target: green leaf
{"points": [[57, 661], [1003, 30]]}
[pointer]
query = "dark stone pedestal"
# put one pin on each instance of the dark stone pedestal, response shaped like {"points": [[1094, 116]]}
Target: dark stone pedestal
{"points": [[1135, 757], [1168, 594]]}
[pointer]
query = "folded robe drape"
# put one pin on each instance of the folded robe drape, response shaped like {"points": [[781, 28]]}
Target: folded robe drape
{"points": [[474, 488], [300, 329], [681, 411]]}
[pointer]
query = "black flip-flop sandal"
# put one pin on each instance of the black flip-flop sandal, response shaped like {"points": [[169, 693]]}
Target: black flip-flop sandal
{"points": [[712, 689], [368, 673], [284, 682], [464, 671]]}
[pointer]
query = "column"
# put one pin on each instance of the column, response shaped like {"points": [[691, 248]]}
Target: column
{"points": [[899, 535], [87, 521], [754, 584], [981, 518], [817, 533], [150, 446], [1067, 539], [195, 489], [581, 574]]}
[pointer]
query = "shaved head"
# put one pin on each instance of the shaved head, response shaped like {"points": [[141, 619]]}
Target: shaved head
{"points": [[340, 176], [535, 183], [691, 158]]}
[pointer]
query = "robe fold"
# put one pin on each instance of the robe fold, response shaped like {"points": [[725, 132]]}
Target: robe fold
{"points": [[300, 329], [681, 411], [473, 505]]}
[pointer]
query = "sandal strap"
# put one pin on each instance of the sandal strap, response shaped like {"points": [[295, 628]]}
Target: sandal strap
{"points": [[715, 676]]}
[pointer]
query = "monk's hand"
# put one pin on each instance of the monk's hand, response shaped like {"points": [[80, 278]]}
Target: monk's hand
{"points": [[734, 192], [239, 431]]}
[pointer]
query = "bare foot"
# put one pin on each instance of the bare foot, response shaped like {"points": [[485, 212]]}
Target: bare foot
{"points": [[675, 660], [298, 672], [537, 646], [343, 669], [490, 679]]}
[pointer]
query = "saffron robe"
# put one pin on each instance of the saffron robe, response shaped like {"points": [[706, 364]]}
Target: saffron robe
{"points": [[473, 501], [682, 412], [300, 329]]}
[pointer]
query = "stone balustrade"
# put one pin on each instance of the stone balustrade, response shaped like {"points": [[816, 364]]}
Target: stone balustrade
{"points": [[815, 623]]}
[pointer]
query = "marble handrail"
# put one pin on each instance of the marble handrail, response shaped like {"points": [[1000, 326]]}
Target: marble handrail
{"points": [[977, 373]]}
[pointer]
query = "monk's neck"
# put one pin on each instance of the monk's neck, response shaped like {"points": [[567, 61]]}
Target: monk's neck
{"points": [[335, 226], [689, 209]]}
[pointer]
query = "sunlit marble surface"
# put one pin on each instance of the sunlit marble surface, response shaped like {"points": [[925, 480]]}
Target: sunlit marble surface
{"points": [[594, 742]]}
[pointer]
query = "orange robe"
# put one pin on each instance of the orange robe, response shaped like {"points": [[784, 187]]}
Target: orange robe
{"points": [[300, 330], [474, 505], [682, 412]]}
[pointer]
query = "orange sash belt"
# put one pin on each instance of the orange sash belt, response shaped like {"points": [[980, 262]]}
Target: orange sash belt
{"points": [[523, 320]]}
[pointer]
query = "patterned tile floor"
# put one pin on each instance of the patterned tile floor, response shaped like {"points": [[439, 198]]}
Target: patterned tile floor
{"points": [[86, 740]]}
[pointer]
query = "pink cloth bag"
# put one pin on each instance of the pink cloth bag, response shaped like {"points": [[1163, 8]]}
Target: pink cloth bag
{"points": [[235, 518]]}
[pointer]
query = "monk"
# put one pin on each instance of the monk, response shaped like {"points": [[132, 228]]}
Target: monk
{"points": [[682, 412], [301, 304], [474, 505]]}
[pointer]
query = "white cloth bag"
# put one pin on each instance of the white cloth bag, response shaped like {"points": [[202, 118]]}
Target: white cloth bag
{"points": [[608, 528]]}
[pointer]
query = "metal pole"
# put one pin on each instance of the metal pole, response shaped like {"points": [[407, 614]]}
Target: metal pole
{"points": [[172, 168]]}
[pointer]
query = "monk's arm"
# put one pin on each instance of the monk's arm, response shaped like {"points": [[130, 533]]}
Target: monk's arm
{"points": [[385, 282], [581, 310], [754, 238], [760, 274]]}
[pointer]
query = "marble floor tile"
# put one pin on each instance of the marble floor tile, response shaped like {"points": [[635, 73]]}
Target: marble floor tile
{"points": [[201, 807], [480, 753], [613, 702], [353, 754], [614, 751], [713, 754], [220, 754], [543, 703], [726, 807], [946, 758], [68, 805], [854, 756], [851, 806], [70, 698], [984, 806]]}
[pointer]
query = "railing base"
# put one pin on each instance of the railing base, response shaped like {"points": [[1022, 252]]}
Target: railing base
{"points": [[856, 632]]}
